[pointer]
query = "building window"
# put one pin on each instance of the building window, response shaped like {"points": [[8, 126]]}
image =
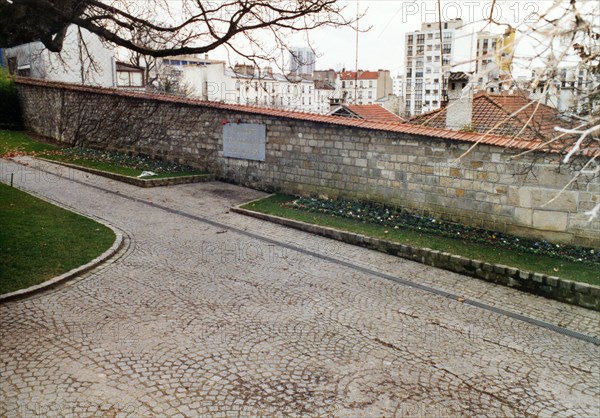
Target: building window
{"points": [[410, 50], [130, 79], [24, 71], [421, 38], [370, 83], [447, 48], [410, 39], [420, 49], [447, 36], [430, 36]]}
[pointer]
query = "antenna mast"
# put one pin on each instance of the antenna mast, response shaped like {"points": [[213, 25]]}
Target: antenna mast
{"points": [[356, 56]]}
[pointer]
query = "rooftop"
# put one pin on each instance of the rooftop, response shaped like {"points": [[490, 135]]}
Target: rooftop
{"points": [[373, 113], [362, 75], [504, 114]]}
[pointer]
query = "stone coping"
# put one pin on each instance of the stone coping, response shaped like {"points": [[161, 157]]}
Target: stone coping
{"points": [[74, 273], [568, 291], [171, 181]]}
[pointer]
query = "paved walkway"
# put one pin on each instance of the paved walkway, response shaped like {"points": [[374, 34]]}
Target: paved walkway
{"points": [[210, 313]]}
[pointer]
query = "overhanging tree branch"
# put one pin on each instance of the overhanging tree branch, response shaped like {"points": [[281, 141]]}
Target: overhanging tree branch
{"points": [[199, 26]]}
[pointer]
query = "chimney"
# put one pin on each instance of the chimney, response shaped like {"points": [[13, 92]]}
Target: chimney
{"points": [[459, 111]]}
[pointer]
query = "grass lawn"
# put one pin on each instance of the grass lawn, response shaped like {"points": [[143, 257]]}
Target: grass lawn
{"points": [[581, 272], [20, 142], [115, 168], [39, 241], [17, 141]]}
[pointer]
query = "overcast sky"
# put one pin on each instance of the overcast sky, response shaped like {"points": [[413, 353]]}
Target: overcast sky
{"points": [[383, 45]]}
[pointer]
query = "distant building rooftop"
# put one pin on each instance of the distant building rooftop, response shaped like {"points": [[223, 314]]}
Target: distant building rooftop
{"points": [[504, 114], [374, 113]]}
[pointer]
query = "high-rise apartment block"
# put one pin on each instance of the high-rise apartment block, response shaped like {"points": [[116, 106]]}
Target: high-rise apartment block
{"points": [[432, 53], [427, 58], [302, 61]]}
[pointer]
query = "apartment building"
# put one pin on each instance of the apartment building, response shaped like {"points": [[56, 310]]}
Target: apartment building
{"points": [[486, 51], [302, 61], [363, 87], [427, 59], [570, 90], [249, 85]]}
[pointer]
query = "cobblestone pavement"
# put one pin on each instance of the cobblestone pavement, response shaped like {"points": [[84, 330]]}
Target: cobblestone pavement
{"points": [[199, 316]]}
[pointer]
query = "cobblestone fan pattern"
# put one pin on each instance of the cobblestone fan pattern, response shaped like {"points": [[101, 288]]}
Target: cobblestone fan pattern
{"points": [[439, 176], [195, 319]]}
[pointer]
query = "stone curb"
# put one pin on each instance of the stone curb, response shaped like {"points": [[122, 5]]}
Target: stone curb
{"points": [[58, 280], [172, 181], [574, 293]]}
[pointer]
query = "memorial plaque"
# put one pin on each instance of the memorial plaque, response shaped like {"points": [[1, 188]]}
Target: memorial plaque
{"points": [[246, 141]]}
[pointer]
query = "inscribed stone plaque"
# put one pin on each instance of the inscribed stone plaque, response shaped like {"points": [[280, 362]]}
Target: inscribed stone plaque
{"points": [[244, 140]]}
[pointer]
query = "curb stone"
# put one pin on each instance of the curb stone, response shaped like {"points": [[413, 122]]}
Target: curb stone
{"points": [[77, 271], [171, 181], [574, 293]]}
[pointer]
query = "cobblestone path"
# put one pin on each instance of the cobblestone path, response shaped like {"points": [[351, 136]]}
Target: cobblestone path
{"points": [[210, 313]]}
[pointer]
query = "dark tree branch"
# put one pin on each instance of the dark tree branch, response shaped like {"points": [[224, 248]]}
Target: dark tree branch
{"points": [[201, 26]]}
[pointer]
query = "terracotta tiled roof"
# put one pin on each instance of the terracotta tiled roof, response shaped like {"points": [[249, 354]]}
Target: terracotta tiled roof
{"points": [[362, 75], [405, 128], [534, 121], [374, 113]]}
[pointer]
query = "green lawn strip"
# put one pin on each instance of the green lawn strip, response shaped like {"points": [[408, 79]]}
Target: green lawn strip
{"points": [[39, 241], [20, 142], [581, 272], [17, 141], [115, 168]]}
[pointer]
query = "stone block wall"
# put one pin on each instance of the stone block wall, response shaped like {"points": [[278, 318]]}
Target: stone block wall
{"points": [[485, 188]]}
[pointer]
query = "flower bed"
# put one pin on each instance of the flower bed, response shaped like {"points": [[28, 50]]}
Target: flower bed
{"points": [[398, 218], [137, 162]]}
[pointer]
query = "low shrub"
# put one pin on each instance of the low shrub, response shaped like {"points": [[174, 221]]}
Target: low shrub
{"points": [[10, 109]]}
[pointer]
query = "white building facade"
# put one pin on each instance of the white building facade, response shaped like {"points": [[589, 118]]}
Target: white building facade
{"points": [[84, 59], [363, 87], [247, 85]]}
